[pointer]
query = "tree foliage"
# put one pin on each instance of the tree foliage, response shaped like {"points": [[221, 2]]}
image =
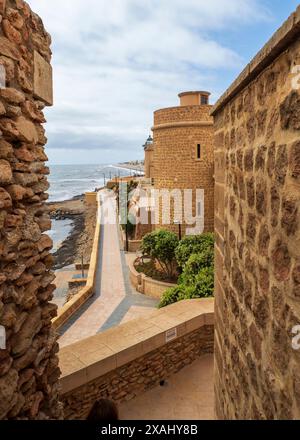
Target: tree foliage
{"points": [[160, 245], [196, 257], [194, 244]]}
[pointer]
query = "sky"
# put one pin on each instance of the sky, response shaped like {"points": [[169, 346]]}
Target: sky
{"points": [[117, 61]]}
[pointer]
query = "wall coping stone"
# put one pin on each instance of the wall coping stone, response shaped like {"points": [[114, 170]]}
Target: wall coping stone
{"points": [[91, 358], [176, 107], [278, 43], [182, 125]]}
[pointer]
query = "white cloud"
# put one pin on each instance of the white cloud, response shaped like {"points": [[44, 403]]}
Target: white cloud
{"points": [[117, 61]]}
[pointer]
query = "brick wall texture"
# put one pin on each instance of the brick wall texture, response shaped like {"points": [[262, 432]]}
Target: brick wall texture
{"points": [[28, 366], [142, 374], [257, 197], [175, 164]]}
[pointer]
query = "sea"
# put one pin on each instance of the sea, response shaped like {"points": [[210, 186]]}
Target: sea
{"points": [[68, 181]]}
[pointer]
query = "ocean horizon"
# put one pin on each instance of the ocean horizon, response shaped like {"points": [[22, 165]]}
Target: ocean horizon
{"points": [[68, 181]]}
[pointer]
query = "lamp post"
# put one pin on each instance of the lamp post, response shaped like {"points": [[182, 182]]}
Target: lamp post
{"points": [[104, 179], [177, 222]]}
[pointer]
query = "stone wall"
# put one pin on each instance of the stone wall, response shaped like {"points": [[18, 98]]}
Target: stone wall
{"points": [[128, 360], [29, 365], [257, 197], [146, 285], [177, 131]]}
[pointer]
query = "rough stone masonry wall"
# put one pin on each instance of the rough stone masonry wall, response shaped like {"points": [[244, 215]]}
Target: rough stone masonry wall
{"points": [[140, 375], [175, 164], [257, 170], [29, 365]]}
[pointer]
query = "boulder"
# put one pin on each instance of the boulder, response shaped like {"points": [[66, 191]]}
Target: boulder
{"points": [[11, 33], [25, 179], [24, 154], [22, 340], [6, 150], [11, 95], [17, 192], [27, 130], [5, 199], [8, 388], [9, 315], [45, 243], [2, 6], [5, 172], [2, 109], [15, 18], [13, 271], [8, 49]]}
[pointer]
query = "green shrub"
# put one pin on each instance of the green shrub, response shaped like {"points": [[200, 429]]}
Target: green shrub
{"points": [[195, 255], [172, 296], [195, 244], [160, 245], [202, 287], [195, 264]]}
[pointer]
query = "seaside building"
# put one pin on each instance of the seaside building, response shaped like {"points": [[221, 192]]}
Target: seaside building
{"points": [[183, 160], [148, 162]]}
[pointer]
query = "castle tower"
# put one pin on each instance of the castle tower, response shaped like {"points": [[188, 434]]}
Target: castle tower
{"points": [[148, 147], [183, 160]]}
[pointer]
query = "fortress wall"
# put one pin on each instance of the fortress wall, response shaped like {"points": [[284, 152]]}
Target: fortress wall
{"points": [[29, 369], [257, 227], [177, 131]]}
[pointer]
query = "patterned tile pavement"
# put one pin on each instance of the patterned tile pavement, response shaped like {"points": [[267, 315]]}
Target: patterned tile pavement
{"points": [[187, 395], [114, 297]]}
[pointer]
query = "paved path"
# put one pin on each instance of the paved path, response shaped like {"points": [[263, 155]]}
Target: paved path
{"points": [[115, 301], [187, 395]]}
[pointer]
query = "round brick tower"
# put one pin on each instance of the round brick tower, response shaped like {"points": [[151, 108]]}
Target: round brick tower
{"points": [[183, 160]]}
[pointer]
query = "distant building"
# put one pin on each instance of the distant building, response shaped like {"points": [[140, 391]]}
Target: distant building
{"points": [[183, 159], [148, 147]]}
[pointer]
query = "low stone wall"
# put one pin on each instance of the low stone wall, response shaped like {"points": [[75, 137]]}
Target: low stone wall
{"points": [[146, 285], [91, 198], [71, 307], [133, 245], [127, 360]]}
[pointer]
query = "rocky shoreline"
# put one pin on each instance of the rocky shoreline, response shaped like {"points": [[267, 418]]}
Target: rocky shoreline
{"points": [[80, 240]]}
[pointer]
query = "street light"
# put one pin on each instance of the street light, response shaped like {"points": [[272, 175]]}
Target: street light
{"points": [[177, 222], [104, 179]]}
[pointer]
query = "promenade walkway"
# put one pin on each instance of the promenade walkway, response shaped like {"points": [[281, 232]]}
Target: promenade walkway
{"points": [[115, 301]]}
